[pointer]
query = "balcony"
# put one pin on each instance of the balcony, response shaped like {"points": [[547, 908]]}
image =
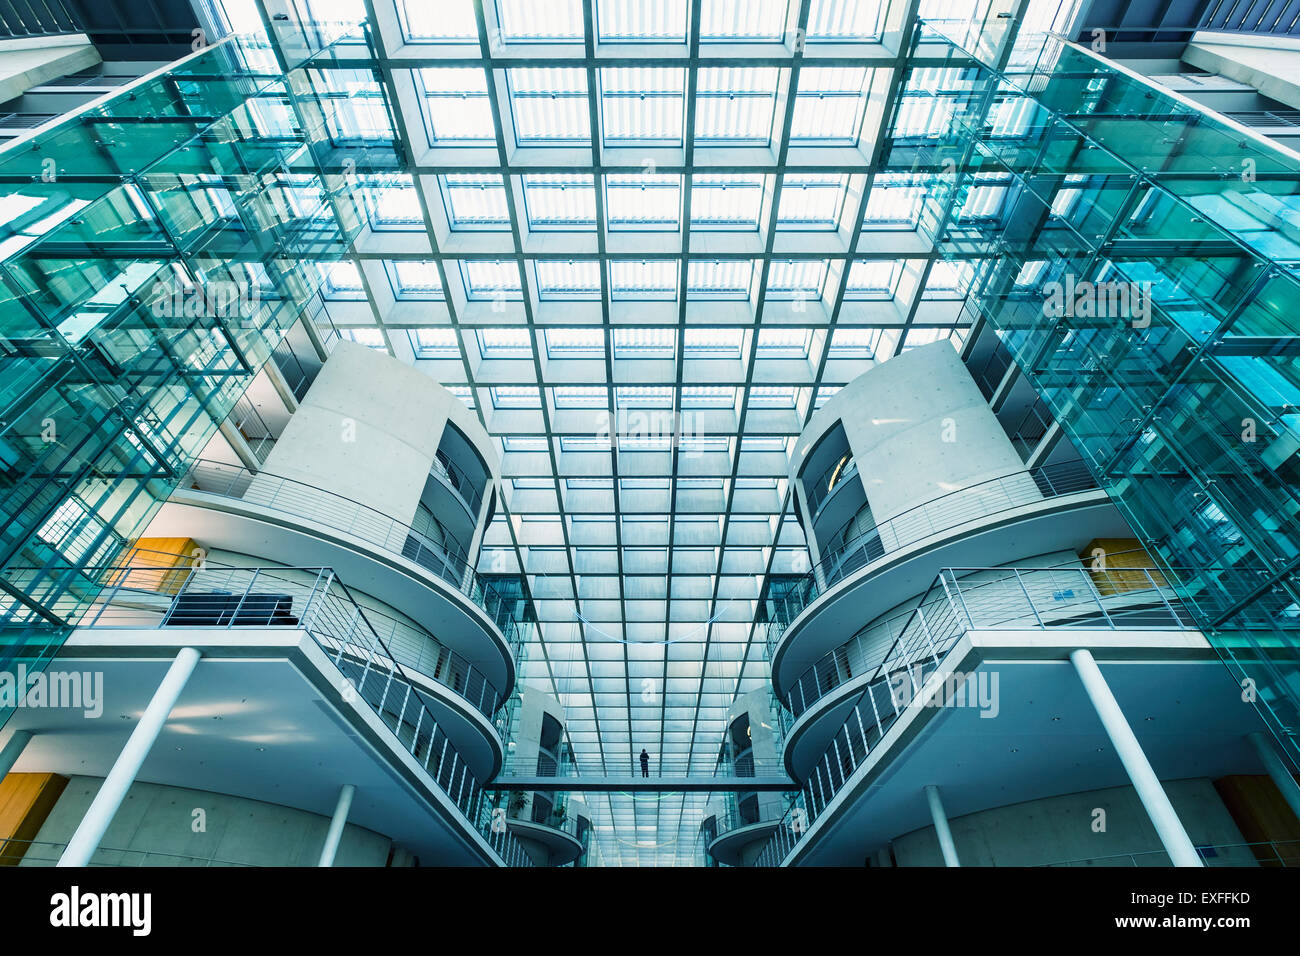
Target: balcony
{"points": [[228, 506]]}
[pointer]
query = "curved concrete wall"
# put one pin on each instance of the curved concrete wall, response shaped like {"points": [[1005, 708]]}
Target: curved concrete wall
{"points": [[159, 819], [919, 430], [368, 429]]}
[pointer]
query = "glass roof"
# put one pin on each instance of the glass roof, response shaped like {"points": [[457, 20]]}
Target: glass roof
{"points": [[633, 233]]}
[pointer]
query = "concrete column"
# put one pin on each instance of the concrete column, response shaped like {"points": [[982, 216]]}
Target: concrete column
{"points": [[104, 807], [337, 823], [13, 750], [1168, 827], [1276, 768], [946, 845]]}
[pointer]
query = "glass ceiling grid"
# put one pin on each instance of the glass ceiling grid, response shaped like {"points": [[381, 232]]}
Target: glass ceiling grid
{"points": [[608, 252]]}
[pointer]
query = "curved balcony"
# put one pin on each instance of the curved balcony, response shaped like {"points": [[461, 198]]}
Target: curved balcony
{"points": [[877, 659], [841, 728], [737, 831], [449, 736], [552, 827], [230, 507], [1000, 519]]}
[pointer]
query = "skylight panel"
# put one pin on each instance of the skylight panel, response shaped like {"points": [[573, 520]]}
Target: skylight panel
{"points": [[894, 201], [642, 104], [456, 105], [873, 279], [923, 115], [719, 279], [796, 278], [812, 200], [712, 343], [825, 394], [580, 396], [435, 343], [644, 343], [773, 396], [854, 343], [540, 21], [475, 200], [575, 343], [830, 104], [643, 201], [560, 201], [340, 280], [515, 396], [391, 203], [462, 392], [448, 21], [370, 338], [415, 278], [357, 109], [726, 200], [643, 279], [708, 396], [524, 443], [636, 21], [723, 21], [549, 105], [841, 21], [568, 279], [949, 279], [784, 343], [648, 396], [505, 343], [735, 105], [486, 279]]}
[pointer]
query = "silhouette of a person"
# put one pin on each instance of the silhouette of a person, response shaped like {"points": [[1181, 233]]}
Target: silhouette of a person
{"points": [[645, 763]]}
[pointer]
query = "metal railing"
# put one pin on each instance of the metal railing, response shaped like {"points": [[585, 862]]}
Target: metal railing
{"points": [[316, 506], [35, 18], [984, 499], [252, 427], [663, 769], [1271, 853], [317, 602], [953, 605], [1007, 599], [820, 488], [470, 492]]}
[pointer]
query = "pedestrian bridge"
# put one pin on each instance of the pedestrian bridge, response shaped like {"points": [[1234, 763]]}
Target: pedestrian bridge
{"points": [[668, 777]]}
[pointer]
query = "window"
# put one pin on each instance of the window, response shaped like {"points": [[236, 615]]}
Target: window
{"points": [[370, 338], [635, 21], [515, 396], [841, 21], [712, 343], [812, 200], [894, 201], [643, 201], [539, 21], [475, 201], [708, 396], [830, 104], [854, 343], [796, 278], [773, 396], [449, 21], [505, 343], [644, 343], [726, 201], [643, 279], [340, 280], [435, 343], [567, 279], [575, 343], [456, 105], [873, 279], [642, 105], [491, 280], [735, 105], [719, 279], [391, 203], [784, 343], [415, 280], [549, 105], [560, 201], [751, 21]]}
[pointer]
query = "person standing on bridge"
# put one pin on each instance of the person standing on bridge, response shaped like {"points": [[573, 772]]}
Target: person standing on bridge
{"points": [[645, 763]]}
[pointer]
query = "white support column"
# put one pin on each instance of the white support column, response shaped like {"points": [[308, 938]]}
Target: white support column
{"points": [[337, 823], [1169, 828], [13, 750], [104, 807], [946, 844], [1277, 769]]}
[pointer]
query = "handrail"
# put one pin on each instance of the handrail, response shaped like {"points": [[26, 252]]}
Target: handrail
{"points": [[1024, 598], [340, 513], [929, 518], [932, 630], [335, 621], [56, 851]]}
